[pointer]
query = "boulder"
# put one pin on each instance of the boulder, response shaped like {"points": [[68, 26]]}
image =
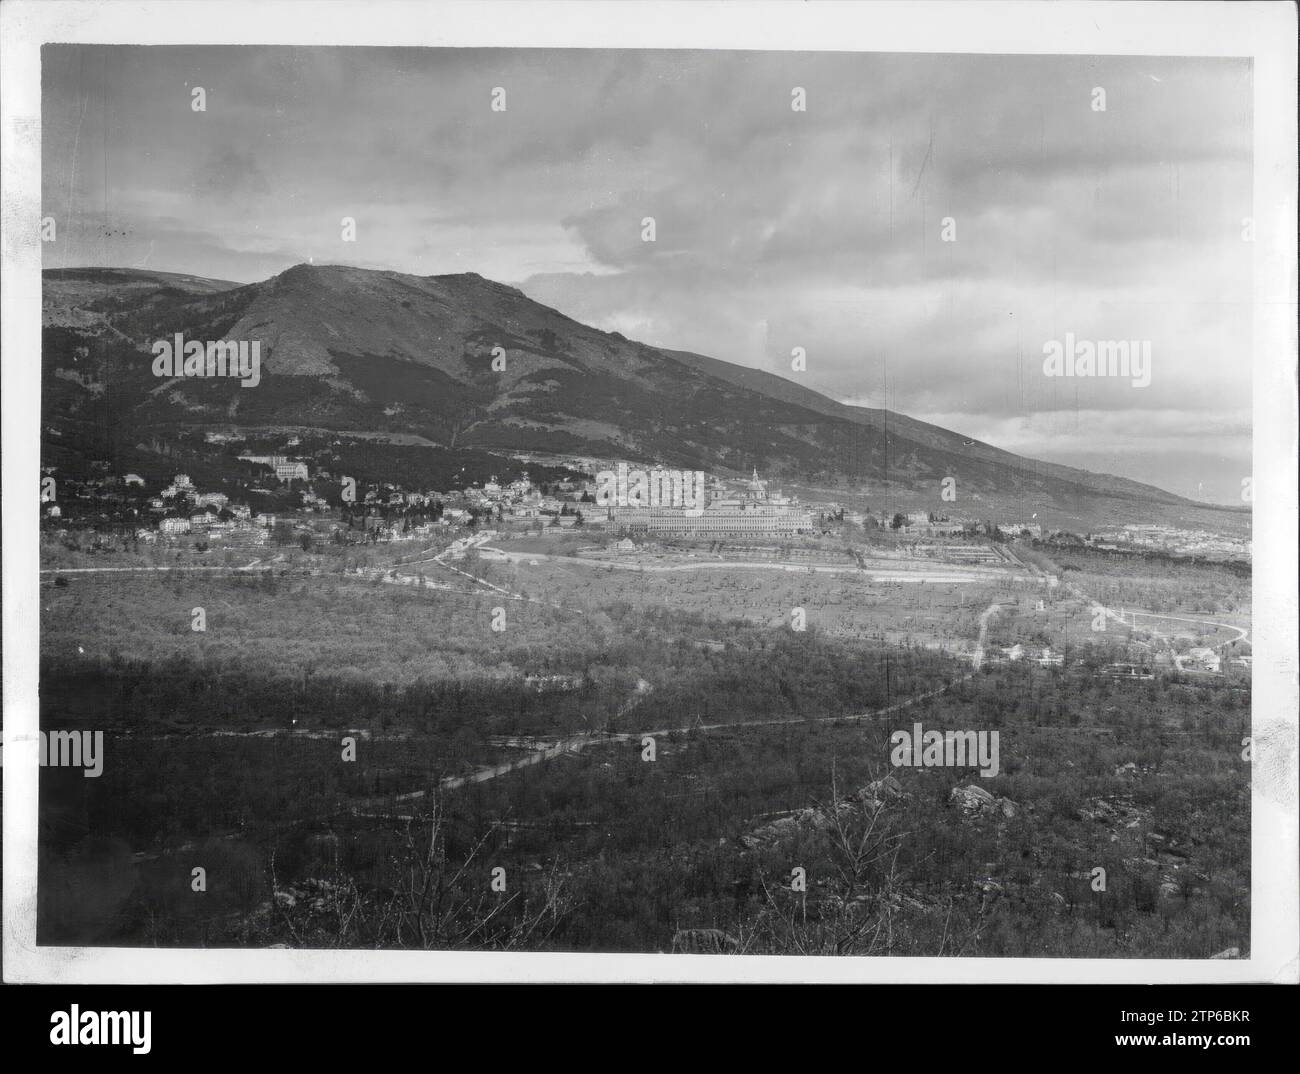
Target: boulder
{"points": [[975, 801], [888, 787], [971, 799]]}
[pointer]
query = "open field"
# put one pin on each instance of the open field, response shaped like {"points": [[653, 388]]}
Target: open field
{"points": [[899, 601]]}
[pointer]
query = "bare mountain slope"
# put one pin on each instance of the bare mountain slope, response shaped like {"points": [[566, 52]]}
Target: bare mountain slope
{"points": [[911, 430]]}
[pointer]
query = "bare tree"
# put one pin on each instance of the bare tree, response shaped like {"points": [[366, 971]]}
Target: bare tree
{"points": [[861, 909], [434, 903]]}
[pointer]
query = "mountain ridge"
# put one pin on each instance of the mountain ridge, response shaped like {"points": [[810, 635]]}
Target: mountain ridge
{"points": [[465, 361]]}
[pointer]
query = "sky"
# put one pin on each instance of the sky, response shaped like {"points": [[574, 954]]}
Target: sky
{"points": [[922, 229]]}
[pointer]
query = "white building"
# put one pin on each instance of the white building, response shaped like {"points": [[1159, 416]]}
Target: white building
{"points": [[286, 469]]}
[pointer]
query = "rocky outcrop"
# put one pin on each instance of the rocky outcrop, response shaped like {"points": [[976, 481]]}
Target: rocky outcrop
{"points": [[1116, 811], [973, 801], [869, 798]]}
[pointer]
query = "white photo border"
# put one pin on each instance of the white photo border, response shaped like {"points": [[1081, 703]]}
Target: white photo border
{"points": [[1263, 31]]}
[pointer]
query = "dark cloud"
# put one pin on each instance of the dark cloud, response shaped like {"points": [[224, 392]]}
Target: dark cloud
{"points": [[230, 174]]}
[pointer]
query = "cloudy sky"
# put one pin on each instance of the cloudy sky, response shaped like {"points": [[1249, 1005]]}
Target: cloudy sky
{"points": [[774, 228]]}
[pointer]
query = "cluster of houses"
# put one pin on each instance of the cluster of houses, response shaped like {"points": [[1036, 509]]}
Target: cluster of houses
{"points": [[384, 512], [181, 509], [1170, 539], [211, 515], [1199, 658], [390, 512], [106, 491], [523, 501]]}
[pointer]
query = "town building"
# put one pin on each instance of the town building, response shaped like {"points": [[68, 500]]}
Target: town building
{"points": [[752, 512], [286, 469]]}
